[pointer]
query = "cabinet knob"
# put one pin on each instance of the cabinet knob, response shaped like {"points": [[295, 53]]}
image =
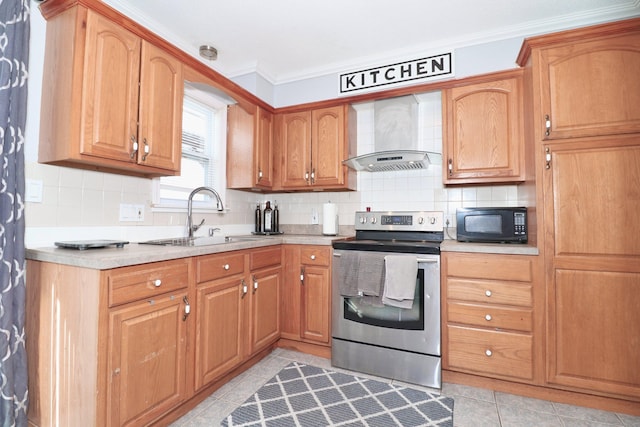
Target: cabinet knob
{"points": [[226, 266], [487, 293], [487, 317], [488, 353], [157, 283], [313, 257]]}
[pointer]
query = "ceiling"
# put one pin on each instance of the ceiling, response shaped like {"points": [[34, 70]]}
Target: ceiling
{"points": [[288, 40]]}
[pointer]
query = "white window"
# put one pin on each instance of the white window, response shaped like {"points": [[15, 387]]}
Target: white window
{"points": [[203, 154]]}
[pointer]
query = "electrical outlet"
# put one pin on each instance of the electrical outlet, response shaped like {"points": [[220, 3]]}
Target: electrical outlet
{"points": [[133, 213], [314, 217]]}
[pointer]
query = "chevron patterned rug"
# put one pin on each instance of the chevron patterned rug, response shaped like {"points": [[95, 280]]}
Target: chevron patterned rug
{"points": [[307, 396]]}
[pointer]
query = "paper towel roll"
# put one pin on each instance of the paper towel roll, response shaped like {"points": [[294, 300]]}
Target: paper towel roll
{"points": [[329, 219]]}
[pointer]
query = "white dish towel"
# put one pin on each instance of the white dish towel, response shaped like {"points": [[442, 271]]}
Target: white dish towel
{"points": [[400, 280]]}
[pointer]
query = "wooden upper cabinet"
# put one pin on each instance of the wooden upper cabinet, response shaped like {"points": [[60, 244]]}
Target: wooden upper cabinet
{"points": [[295, 143], [483, 131], [249, 148], [311, 147], [110, 90], [161, 99], [111, 101], [588, 80], [263, 162]]}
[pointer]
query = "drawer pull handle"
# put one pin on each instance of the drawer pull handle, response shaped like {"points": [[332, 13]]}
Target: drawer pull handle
{"points": [[487, 293], [226, 266], [488, 353], [157, 283], [313, 257], [487, 317]]}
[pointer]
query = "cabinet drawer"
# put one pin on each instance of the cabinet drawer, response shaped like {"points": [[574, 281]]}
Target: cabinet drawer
{"points": [[490, 291], [137, 282], [315, 255], [498, 353], [265, 257], [502, 267], [489, 316], [212, 267]]}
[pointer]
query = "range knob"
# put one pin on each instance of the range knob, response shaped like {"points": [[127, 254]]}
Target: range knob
{"points": [[420, 220], [374, 220], [363, 220], [432, 220]]}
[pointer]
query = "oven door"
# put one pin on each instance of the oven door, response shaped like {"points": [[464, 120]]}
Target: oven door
{"points": [[416, 329]]}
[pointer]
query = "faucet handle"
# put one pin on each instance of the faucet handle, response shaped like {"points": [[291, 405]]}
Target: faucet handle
{"points": [[213, 230], [196, 227]]}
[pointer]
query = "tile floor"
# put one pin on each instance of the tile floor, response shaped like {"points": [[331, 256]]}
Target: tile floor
{"points": [[474, 407]]}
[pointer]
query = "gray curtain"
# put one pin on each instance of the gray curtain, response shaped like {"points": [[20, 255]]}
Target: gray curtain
{"points": [[14, 58]]}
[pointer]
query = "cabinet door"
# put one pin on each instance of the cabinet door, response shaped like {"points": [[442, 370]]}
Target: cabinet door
{"points": [[484, 137], [593, 280], [265, 308], [147, 360], [263, 156], [220, 320], [591, 87], [328, 146], [291, 296], [316, 304], [295, 134], [161, 93], [110, 90], [594, 329]]}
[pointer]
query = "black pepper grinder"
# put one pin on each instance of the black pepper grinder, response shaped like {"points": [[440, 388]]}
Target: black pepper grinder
{"points": [[276, 217], [267, 219], [258, 219]]}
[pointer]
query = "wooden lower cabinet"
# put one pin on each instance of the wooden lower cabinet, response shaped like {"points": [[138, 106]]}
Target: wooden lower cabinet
{"points": [[490, 324], [128, 346], [147, 360], [237, 309], [306, 301], [219, 311], [595, 331]]}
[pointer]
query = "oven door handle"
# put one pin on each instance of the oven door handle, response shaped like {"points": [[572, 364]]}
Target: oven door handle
{"points": [[420, 260]]}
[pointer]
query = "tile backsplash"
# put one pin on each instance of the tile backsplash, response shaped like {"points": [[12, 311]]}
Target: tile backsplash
{"points": [[86, 203]]}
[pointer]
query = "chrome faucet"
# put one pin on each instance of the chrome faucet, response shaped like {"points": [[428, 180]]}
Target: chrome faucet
{"points": [[190, 227]]}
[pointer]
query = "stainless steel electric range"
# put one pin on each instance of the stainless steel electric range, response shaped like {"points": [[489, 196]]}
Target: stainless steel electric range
{"points": [[372, 336]]}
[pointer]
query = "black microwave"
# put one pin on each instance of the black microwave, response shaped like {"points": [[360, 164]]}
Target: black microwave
{"points": [[492, 225]]}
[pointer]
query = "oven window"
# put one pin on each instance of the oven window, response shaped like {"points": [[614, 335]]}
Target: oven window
{"points": [[370, 311]]}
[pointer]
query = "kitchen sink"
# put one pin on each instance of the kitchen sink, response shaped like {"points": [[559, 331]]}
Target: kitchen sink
{"points": [[199, 241]]}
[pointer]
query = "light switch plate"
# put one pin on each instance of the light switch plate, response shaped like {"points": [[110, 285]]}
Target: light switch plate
{"points": [[33, 191]]}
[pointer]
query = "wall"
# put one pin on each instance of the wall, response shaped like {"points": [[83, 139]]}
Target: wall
{"points": [[81, 204]]}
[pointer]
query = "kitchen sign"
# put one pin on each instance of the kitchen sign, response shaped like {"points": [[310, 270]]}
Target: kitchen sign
{"points": [[401, 72]]}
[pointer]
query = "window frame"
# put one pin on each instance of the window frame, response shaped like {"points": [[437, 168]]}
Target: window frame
{"points": [[218, 157]]}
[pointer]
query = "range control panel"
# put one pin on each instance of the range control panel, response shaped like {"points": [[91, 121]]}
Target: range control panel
{"points": [[400, 221]]}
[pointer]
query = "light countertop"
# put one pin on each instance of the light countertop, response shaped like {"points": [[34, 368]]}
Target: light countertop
{"points": [[134, 253], [489, 248]]}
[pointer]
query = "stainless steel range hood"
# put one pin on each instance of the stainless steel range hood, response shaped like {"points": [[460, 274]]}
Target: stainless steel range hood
{"points": [[395, 139], [393, 160]]}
